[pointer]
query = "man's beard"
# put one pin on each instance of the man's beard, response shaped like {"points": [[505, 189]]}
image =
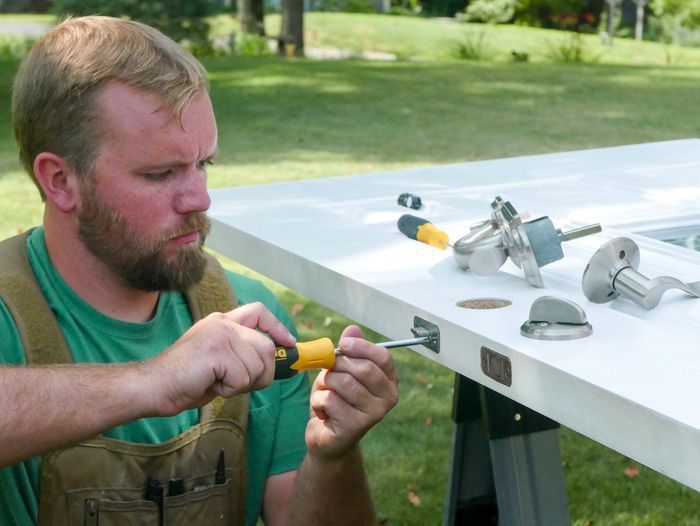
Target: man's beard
{"points": [[139, 261]]}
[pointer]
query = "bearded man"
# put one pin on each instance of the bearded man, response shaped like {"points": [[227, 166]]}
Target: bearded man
{"points": [[136, 390]]}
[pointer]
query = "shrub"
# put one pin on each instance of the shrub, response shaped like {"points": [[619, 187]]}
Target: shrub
{"points": [[14, 47], [519, 56], [685, 13], [472, 46], [183, 20], [402, 11], [346, 6], [250, 45], [490, 11], [570, 49]]}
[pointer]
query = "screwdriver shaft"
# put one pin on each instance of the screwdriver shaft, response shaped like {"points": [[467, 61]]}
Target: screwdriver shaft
{"points": [[398, 343]]}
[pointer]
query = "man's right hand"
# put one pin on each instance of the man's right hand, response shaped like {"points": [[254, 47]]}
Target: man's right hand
{"points": [[223, 354]]}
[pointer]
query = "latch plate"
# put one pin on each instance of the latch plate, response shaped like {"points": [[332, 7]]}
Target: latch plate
{"points": [[496, 366], [422, 328]]}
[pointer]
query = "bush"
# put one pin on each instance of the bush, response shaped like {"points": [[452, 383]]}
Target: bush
{"points": [[346, 6], [250, 45], [472, 46], [686, 13], [398, 10], [14, 47], [182, 20], [571, 49], [490, 11], [675, 21], [579, 15]]}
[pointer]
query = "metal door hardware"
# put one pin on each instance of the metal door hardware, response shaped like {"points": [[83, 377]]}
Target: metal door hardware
{"points": [[530, 245], [425, 329], [553, 318], [426, 334], [612, 272], [496, 366]]}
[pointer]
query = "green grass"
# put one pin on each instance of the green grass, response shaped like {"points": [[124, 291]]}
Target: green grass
{"points": [[33, 18], [418, 38], [287, 120]]}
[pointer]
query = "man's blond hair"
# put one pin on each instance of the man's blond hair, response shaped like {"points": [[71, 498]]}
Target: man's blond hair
{"points": [[53, 99]]}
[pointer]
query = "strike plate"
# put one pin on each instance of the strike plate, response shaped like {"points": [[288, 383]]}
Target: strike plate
{"points": [[424, 328], [496, 366]]}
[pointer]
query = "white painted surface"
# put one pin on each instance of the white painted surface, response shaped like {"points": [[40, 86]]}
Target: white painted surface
{"points": [[634, 385]]}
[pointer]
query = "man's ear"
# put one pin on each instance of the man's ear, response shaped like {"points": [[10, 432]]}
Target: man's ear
{"points": [[57, 180]]}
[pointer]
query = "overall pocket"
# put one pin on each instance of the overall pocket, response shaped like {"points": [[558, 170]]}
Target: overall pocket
{"points": [[206, 505]]}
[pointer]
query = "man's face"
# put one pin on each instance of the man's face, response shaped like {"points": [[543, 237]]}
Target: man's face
{"points": [[142, 209]]}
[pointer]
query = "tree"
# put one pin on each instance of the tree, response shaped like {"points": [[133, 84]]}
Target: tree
{"points": [[182, 20], [639, 21], [291, 40], [251, 15], [612, 6]]}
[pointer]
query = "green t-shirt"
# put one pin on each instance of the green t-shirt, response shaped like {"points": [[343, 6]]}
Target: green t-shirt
{"points": [[277, 417]]}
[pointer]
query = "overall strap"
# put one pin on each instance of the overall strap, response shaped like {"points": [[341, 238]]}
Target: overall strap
{"points": [[42, 338], [212, 294], [38, 329], [215, 294]]}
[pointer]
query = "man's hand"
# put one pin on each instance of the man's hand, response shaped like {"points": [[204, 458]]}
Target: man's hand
{"points": [[346, 402], [349, 399], [224, 354]]}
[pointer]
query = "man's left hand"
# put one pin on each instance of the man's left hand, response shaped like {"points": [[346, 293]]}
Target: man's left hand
{"points": [[349, 399]]}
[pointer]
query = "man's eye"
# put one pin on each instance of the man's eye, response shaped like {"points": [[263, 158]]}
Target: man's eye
{"points": [[160, 176], [206, 162]]}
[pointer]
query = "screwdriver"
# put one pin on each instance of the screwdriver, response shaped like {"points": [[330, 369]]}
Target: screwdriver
{"points": [[321, 353], [423, 230]]}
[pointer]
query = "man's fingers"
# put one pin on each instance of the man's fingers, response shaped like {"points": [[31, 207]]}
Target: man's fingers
{"points": [[351, 331], [362, 385], [257, 316], [356, 347], [256, 354], [219, 355]]}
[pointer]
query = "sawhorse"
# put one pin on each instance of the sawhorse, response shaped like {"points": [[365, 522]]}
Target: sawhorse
{"points": [[506, 467]]}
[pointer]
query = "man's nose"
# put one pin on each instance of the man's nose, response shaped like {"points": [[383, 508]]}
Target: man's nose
{"points": [[193, 195]]}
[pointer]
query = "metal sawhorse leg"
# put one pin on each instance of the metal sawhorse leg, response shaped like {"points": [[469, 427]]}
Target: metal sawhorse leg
{"points": [[506, 463]]}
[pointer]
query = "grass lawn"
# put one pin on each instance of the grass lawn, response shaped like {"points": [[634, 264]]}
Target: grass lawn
{"points": [[412, 37], [22, 17], [286, 120]]}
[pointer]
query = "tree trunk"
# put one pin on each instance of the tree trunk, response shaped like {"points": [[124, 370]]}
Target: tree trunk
{"points": [[639, 22], [612, 4], [251, 14], [259, 14], [291, 43]]}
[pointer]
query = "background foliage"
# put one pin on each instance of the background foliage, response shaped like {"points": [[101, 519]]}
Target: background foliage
{"points": [[183, 20]]}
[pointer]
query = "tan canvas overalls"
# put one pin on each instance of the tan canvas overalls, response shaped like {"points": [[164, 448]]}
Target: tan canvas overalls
{"points": [[108, 482]]}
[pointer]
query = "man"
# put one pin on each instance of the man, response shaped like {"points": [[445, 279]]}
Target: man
{"points": [[115, 126]]}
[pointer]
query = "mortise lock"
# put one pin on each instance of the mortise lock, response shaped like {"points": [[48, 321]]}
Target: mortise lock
{"points": [[528, 244]]}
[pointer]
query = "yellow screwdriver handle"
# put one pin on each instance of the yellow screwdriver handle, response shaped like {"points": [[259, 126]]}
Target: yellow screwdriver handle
{"points": [[429, 234], [316, 354], [423, 230]]}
